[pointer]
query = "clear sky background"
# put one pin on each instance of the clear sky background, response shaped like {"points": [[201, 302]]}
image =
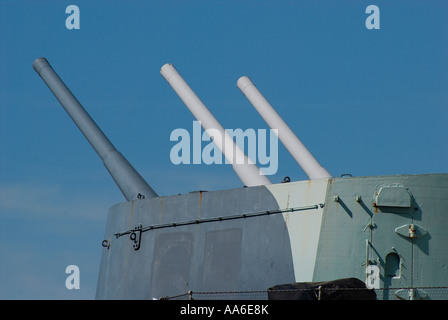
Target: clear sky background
{"points": [[365, 102]]}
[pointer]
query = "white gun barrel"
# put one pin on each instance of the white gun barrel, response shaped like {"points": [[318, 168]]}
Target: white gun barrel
{"points": [[291, 142], [131, 184], [245, 168]]}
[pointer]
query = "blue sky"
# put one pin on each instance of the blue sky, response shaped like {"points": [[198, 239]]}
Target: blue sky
{"points": [[365, 102]]}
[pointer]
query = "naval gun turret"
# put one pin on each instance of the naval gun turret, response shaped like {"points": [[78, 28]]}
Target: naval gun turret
{"points": [[387, 231]]}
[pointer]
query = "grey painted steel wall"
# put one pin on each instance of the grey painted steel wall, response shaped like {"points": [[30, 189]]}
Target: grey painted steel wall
{"points": [[254, 253], [250, 253], [400, 259]]}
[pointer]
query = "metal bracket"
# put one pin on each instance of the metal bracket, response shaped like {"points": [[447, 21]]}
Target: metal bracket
{"points": [[411, 231], [411, 294], [370, 225], [136, 236], [106, 244]]}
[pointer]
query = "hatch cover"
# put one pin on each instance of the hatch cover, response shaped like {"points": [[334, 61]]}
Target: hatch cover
{"points": [[393, 195]]}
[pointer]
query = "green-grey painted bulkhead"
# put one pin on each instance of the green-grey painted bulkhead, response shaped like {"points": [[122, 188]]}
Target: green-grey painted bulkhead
{"points": [[386, 230]]}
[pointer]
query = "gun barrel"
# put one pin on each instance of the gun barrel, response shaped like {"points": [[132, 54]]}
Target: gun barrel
{"points": [[291, 142], [130, 182], [245, 168]]}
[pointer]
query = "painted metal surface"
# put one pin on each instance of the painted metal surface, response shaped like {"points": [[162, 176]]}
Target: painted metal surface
{"points": [[292, 143], [245, 168], [236, 254], [389, 231], [130, 182], [339, 232], [303, 227], [360, 239]]}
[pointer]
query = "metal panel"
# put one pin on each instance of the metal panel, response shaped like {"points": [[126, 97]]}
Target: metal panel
{"points": [[430, 254], [239, 252], [360, 239], [222, 260], [394, 195], [171, 263], [303, 227]]}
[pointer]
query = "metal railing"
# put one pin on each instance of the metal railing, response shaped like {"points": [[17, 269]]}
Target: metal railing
{"points": [[420, 293]]}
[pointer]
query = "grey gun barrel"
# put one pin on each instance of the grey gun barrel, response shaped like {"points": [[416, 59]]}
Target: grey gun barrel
{"points": [[245, 168], [300, 153], [130, 182]]}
